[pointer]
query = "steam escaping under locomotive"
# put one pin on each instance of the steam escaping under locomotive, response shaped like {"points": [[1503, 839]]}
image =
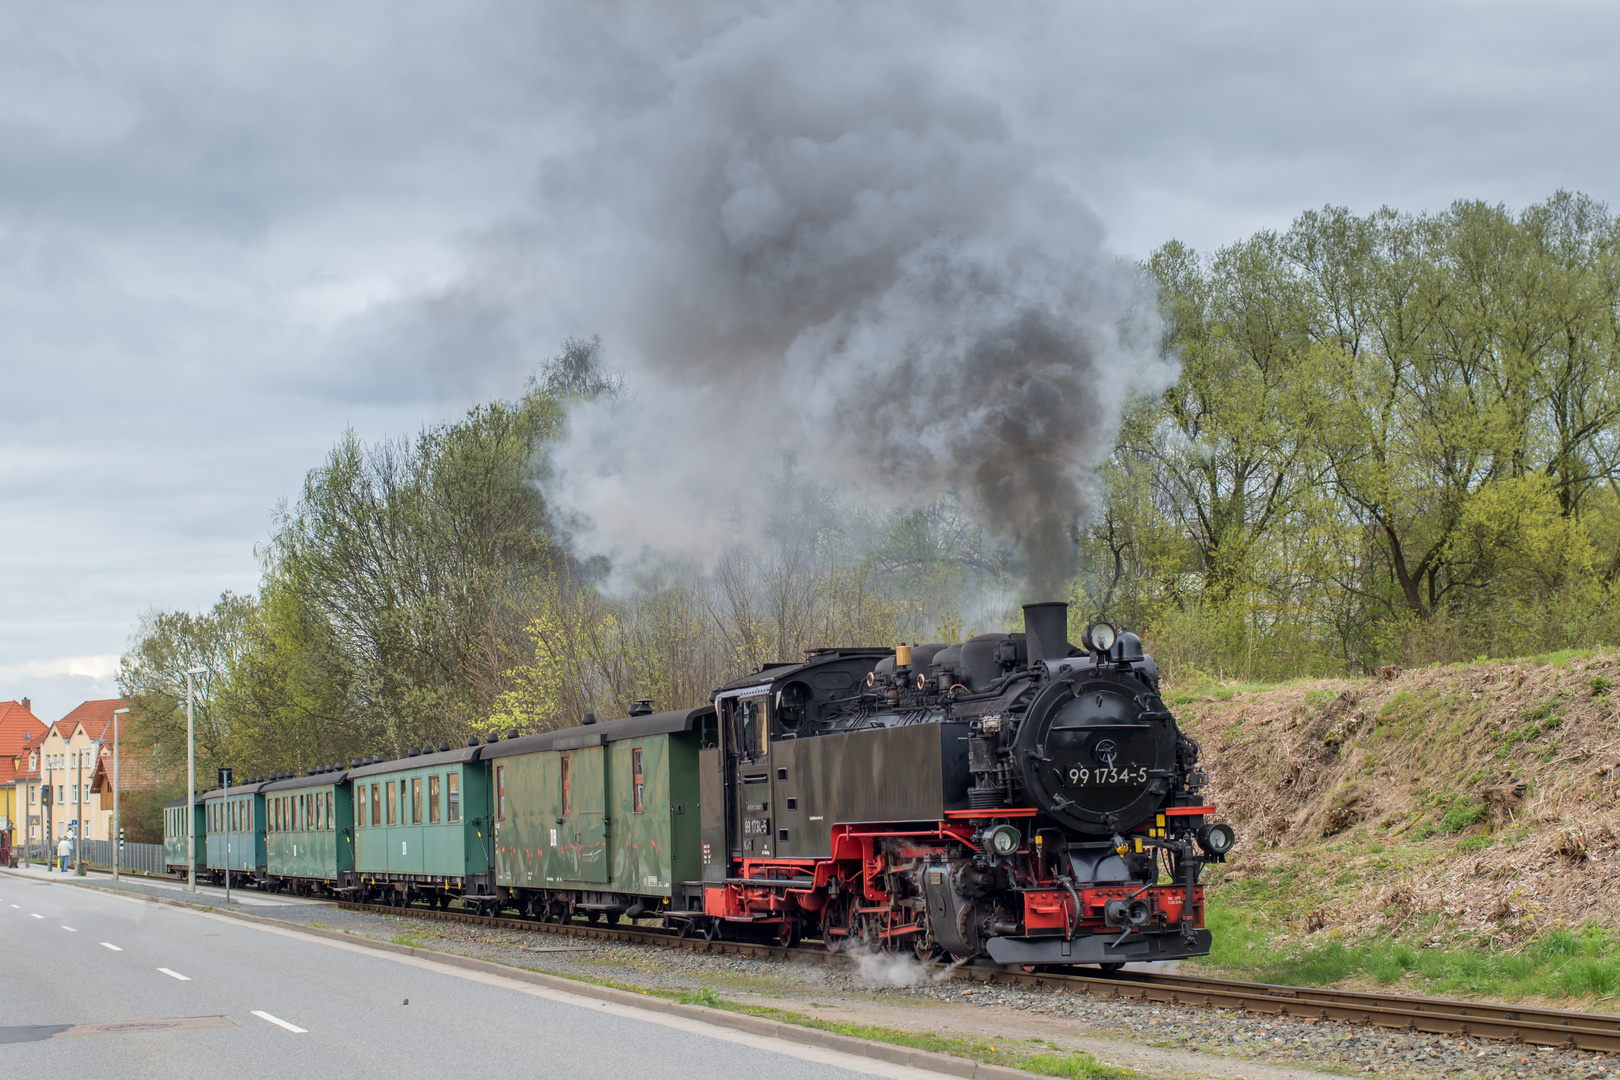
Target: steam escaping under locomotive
{"points": [[1012, 796]]}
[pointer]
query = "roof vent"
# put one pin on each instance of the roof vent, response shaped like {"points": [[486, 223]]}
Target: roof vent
{"points": [[429, 749], [414, 752], [511, 734], [444, 746], [588, 718], [472, 740], [642, 707], [354, 763], [492, 738]]}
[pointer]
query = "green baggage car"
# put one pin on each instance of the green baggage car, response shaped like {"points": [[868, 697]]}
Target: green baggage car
{"points": [[600, 819], [309, 832], [421, 829]]}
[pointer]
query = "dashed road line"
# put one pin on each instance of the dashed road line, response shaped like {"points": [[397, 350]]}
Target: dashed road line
{"points": [[175, 975], [279, 1022], [69, 929], [110, 945], [36, 915]]}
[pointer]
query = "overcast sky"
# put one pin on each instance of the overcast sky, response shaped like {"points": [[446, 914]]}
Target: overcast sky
{"points": [[228, 233]]}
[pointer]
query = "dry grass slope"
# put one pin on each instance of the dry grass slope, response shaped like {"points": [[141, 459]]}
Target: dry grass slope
{"points": [[1473, 802]]}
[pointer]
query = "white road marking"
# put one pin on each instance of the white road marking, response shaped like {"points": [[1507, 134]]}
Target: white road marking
{"points": [[17, 906], [70, 929], [175, 975], [37, 916], [279, 1022], [110, 945]]}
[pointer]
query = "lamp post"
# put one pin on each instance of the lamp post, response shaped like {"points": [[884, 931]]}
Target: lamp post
{"points": [[79, 821], [50, 814], [191, 783], [118, 831]]}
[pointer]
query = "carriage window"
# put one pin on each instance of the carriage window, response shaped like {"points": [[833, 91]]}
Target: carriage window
{"points": [[433, 800], [376, 807], [416, 800], [567, 788], [390, 802], [500, 791], [360, 818], [637, 781], [331, 819], [320, 813], [452, 797]]}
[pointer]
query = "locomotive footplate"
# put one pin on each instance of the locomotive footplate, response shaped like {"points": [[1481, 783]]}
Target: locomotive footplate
{"points": [[1137, 948]]}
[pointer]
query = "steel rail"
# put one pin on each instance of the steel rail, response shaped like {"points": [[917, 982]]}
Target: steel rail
{"points": [[1440, 1016]]}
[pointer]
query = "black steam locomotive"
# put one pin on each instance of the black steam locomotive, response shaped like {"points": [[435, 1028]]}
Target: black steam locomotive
{"points": [[1011, 796]]}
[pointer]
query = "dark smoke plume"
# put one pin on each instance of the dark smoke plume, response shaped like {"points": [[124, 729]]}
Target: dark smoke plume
{"points": [[819, 240]]}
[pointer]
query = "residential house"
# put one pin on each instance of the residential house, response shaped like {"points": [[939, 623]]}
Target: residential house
{"points": [[21, 733], [70, 755]]}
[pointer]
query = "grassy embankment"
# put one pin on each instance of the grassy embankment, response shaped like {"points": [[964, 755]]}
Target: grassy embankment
{"points": [[1450, 830]]}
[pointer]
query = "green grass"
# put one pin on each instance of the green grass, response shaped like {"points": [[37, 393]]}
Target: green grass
{"points": [[1006, 1052], [408, 941], [1556, 964]]}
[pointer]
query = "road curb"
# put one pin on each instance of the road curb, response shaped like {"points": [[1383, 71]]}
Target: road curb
{"points": [[753, 1025]]}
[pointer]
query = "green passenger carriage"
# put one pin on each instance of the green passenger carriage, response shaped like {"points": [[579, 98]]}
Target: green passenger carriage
{"points": [[421, 829], [600, 819], [174, 836], [309, 832], [235, 823]]}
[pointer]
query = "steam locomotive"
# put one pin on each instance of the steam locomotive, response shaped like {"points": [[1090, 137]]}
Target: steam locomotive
{"points": [[1012, 796]]}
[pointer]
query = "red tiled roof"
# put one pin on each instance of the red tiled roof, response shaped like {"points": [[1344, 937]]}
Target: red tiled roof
{"points": [[95, 716], [20, 731]]}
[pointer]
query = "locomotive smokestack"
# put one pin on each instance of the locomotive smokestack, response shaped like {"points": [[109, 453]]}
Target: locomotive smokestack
{"points": [[1046, 631]]}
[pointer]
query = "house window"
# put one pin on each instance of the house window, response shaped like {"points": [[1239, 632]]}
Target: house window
{"points": [[433, 800], [500, 791], [637, 781], [567, 788], [376, 806], [416, 800], [452, 797]]}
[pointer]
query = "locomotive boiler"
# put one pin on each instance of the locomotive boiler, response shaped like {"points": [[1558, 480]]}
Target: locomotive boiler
{"points": [[1012, 796]]}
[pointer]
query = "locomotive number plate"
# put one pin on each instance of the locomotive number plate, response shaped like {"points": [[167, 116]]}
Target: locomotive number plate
{"points": [[1081, 776]]}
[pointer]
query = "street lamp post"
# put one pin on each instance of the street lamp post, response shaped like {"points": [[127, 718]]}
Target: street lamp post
{"points": [[191, 783], [50, 814], [118, 831], [78, 800]]}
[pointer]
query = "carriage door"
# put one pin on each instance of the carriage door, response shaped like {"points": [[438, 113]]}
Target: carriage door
{"points": [[750, 727]]}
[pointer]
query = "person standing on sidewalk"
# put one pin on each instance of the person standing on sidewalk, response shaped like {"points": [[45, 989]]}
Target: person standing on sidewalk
{"points": [[64, 852]]}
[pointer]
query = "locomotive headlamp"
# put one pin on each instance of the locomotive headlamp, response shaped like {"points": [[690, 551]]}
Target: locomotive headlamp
{"points": [[1099, 637], [1217, 839], [1003, 839]]}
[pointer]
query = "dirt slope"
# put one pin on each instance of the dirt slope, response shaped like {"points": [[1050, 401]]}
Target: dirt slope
{"points": [[1468, 800]]}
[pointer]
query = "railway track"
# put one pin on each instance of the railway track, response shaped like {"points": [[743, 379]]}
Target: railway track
{"points": [[1470, 1019]]}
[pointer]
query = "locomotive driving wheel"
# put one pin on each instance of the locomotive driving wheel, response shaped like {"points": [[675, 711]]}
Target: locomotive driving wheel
{"points": [[834, 925]]}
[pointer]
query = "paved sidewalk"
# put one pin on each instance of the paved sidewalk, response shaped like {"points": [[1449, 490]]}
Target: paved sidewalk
{"points": [[153, 886]]}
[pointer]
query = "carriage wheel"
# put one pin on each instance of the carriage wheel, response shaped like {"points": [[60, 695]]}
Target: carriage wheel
{"points": [[613, 918], [683, 929], [713, 930], [592, 917], [1109, 969]]}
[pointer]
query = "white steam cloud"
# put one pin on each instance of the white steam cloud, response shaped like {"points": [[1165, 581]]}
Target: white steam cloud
{"points": [[818, 240]]}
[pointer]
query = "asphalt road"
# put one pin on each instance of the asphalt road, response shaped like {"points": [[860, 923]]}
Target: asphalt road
{"points": [[84, 976]]}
